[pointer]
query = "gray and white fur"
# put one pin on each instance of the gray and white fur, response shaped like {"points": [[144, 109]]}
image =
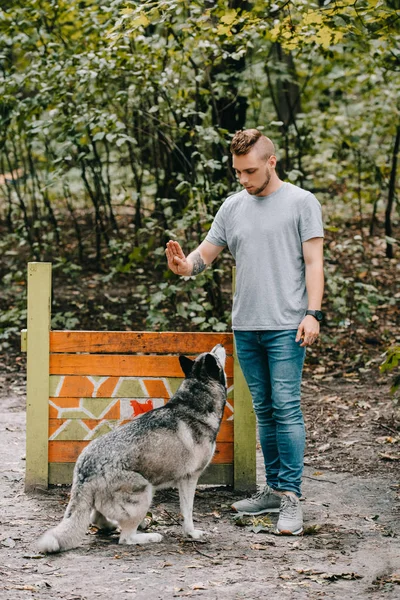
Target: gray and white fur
{"points": [[116, 475]]}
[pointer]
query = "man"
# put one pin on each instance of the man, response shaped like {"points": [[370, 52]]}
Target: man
{"points": [[274, 231]]}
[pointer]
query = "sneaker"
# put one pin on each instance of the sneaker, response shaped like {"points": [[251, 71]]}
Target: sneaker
{"points": [[266, 500], [290, 520]]}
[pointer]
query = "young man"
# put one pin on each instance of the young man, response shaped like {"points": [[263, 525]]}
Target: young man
{"points": [[274, 231]]}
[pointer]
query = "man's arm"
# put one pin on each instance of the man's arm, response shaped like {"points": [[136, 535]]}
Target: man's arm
{"points": [[314, 263], [313, 259], [195, 262]]}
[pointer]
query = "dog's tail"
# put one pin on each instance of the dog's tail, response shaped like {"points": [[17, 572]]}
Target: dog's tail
{"points": [[72, 528]]}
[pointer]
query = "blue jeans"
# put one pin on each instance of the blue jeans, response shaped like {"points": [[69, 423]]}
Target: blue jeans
{"points": [[272, 364]]}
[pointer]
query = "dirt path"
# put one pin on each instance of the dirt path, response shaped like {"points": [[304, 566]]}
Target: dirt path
{"points": [[351, 549]]}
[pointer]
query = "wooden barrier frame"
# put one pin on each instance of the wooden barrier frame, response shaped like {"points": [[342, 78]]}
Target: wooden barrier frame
{"points": [[82, 383]]}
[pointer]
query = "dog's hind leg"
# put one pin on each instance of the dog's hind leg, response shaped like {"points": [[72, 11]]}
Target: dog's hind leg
{"points": [[101, 522], [187, 488], [130, 510]]}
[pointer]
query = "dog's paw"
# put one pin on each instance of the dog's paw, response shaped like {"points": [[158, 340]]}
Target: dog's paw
{"points": [[140, 538], [195, 534], [48, 543]]}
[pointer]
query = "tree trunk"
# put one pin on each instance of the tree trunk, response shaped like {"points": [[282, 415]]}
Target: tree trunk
{"points": [[391, 194]]}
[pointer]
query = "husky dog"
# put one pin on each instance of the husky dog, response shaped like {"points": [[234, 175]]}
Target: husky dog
{"points": [[116, 475]]}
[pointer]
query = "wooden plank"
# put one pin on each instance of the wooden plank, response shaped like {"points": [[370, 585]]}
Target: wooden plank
{"points": [[24, 340], [225, 433], [223, 453], [79, 386], [216, 474], [120, 365], [244, 435], [68, 451], [37, 396], [129, 342], [61, 474]]}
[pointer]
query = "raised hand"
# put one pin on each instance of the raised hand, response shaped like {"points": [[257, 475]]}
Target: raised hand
{"points": [[177, 261]]}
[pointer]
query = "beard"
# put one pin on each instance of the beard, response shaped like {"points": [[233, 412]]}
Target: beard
{"points": [[264, 185]]}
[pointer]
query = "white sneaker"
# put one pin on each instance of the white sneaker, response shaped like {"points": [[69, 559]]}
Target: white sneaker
{"points": [[290, 520], [264, 501]]}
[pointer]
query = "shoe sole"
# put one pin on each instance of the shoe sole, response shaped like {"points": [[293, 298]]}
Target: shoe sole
{"points": [[288, 532], [254, 514]]}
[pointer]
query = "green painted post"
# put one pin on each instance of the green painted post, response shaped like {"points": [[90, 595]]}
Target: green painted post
{"points": [[37, 395], [244, 427]]}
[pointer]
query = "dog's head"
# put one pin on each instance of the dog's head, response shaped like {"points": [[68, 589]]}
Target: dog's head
{"points": [[209, 365]]}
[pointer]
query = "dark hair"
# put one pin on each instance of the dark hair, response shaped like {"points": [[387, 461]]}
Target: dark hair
{"points": [[243, 141]]}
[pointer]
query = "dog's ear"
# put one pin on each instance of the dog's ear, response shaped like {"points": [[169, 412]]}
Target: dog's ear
{"points": [[212, 366], [186, 364]]}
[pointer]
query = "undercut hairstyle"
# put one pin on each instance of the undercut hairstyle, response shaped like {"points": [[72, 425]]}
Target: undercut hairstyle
{"points": [[245, 140]]}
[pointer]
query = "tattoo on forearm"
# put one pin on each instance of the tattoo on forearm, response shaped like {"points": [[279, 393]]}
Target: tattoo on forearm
{"points": [[198, 264]]}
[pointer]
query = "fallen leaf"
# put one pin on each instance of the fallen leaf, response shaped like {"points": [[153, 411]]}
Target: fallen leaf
{"points": [[241, 520], [199, 586], [387, 456], [264, 520], [363, 404], [395, 578], [312, 529], [29, 588], [350, 442], [324, 447], [315, 575]]}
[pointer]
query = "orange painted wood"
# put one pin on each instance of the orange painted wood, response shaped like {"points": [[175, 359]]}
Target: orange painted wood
{"points": [[67, 402], [68, 452], [156, 388], [78, 386], [65, 451], [124, 342], [120, 365], [53, 412], [225, 433], [54, 424], [223, 453]]}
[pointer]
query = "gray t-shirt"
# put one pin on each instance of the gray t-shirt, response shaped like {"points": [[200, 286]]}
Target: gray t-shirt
{"points": [[265, 236]]}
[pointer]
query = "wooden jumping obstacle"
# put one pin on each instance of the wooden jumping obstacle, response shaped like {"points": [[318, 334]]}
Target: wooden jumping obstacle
{"points": [[81, 384]]}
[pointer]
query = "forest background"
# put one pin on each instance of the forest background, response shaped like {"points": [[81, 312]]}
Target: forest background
{"points": [[115, 123]]}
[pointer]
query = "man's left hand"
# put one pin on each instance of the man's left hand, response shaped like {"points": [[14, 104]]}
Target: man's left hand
{"points": [[308, 331]]}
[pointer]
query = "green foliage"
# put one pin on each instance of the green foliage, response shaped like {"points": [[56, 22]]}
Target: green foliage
{"points": [[391, 363], [11, 323], [134, 103], [119, 114]]}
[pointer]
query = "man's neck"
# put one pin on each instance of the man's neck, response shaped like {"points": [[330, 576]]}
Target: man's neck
{"points": [[273, 186]]}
